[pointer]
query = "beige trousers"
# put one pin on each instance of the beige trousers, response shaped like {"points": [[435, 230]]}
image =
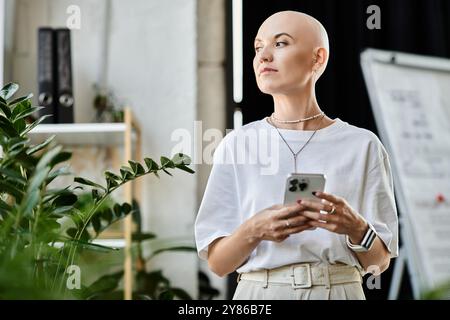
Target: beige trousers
{"points": [[301, 282]]}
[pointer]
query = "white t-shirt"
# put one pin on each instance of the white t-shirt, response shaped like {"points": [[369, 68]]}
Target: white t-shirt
{"points": [[250, 167]]}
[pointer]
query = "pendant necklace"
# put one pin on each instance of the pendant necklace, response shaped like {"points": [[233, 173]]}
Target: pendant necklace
{"points": [[295, 154]]}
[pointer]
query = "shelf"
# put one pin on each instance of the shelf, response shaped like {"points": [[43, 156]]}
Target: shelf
{"points": [[81, 133], [115, 243], [112, 243]]}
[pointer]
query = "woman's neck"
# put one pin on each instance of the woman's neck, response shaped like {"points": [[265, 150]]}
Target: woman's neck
{"points": [[294, 107]]}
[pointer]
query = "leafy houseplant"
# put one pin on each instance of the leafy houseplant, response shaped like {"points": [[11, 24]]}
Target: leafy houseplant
{"points": [[149, 284], [36, 245]]}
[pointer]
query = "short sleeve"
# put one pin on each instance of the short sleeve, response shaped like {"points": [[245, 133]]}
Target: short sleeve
{"points": [[379, 206], [218, 214]]}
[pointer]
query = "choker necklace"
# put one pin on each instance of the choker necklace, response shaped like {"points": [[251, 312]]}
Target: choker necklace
{"points": [[272, 117], [295, 154]]}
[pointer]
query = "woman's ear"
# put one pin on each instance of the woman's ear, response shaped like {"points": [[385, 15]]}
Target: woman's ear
{"points": [[320, 57]]}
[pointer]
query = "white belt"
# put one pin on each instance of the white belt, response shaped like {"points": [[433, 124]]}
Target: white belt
{"points": [[305, 276]]}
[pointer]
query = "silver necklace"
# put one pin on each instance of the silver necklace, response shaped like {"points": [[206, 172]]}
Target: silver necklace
{"points": [[295, 121], [295, 154]]}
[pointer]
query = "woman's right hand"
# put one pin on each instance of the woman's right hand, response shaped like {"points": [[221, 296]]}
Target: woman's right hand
{"points": [[278, 222]]}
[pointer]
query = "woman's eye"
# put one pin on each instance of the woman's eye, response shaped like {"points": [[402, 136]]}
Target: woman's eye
{"points": [[280, 44], [257, 49]]}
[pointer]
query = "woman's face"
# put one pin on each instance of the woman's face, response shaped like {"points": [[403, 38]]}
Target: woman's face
{"points": [[284, 58]]}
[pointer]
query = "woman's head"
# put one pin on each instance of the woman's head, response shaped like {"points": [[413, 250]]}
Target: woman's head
{"points": [[291, 51]]}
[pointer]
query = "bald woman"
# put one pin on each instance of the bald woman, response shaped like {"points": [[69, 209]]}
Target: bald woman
{"points": [[309, 249]]}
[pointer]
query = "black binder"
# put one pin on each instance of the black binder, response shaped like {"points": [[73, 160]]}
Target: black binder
{"points": [[46, 74], [63, 86]]}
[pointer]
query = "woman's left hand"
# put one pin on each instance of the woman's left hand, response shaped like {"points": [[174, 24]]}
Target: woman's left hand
{"points": [[343, 220]]}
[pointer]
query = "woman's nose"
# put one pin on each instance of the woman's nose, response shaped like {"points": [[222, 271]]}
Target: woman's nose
{"points": [[265, 55]]}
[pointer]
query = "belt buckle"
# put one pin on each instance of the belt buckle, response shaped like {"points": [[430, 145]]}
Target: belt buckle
{"points": [[305, 270]]}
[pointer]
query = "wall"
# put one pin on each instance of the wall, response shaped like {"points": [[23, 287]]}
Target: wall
{"points": [[211, 91]]}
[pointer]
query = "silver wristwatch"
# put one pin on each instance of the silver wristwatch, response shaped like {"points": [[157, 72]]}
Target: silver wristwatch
{"points": [[366, 243]]}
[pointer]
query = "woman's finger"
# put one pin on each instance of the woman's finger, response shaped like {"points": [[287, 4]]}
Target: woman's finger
{"points": [[289, 211], [316, 205], [330, 197], [316, 216], [297, 229], [324, 225], [297, 220]]}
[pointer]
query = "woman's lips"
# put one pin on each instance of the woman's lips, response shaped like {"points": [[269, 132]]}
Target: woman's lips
{"points": [[267, 70]]}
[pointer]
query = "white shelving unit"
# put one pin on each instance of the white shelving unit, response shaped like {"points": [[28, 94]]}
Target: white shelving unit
{"points": [[81, 133], [126, 135]]}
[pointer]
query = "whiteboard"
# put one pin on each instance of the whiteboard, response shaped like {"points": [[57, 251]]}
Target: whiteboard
{"points": [[410, 98]]}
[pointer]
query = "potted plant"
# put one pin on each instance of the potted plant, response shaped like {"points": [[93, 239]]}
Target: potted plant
{"points": [[37, 245]]}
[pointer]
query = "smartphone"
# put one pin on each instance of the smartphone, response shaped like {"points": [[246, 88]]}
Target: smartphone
{"points": [[301, 186]]}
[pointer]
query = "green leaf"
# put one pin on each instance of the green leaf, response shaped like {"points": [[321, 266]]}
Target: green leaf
{"points": [[28, 203], [177, 248], [142, 236], [136, 167], [63, 171], [17, 142], [166, 162], [5, 206], [133, 165], [111, 175], [85, 236], [38, 178], [7, 127], [26, 113], [93, 246], [166, 295], [60, 157], [105, 283], [167, 172], [180, 293], [34, 124], [19, 107], [111, 183], [61, 211], [140, 169], [96, 194], [88, 183], [151, 165], [20, 100], [96, 224], [41, 146], [9, 188], [107, 215], [126, 173], [72, 232], [48, 157], [13, 176], [181, 158], [8, 90], [184, 168], [126, 208], [5, 109], [117, 210], [66, 199]]}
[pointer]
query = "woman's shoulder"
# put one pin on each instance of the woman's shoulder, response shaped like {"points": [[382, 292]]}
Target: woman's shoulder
{"points": [[360, 133], [249, 129], [366, 139]]}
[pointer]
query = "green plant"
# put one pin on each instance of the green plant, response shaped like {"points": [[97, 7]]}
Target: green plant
{"points": [[440, 292], [43, 230]]}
